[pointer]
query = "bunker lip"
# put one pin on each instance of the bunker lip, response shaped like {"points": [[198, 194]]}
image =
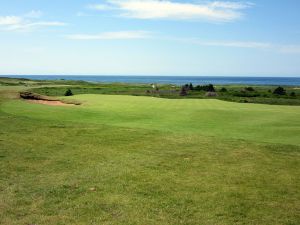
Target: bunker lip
{"points": [[45, 100]]}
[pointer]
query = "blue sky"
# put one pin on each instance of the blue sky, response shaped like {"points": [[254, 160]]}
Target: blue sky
{"points": [[150, 37]]}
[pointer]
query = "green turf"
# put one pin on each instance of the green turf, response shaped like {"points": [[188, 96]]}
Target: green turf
{"points": [[142, 160], [255, 122]]}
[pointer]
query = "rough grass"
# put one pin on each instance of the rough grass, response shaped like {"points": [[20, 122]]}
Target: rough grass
{"points": [[138, 160]]}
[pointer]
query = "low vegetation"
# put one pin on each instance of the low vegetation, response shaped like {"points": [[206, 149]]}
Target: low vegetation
{"points": [[254, 94]]}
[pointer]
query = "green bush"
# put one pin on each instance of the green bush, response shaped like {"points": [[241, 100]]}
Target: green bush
{"points": [[68, 93], [183, 91], [207, 88], [249, 89], [246, 94], [279, 91], [223, 89]]}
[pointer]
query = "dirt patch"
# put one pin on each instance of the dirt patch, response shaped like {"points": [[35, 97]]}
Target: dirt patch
{"points": [[53, 103], [45, 100]]}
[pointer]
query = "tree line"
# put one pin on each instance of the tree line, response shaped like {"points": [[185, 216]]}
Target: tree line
{"points": [[279, 91]]}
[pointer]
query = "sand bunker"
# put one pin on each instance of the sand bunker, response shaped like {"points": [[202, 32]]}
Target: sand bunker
{"points": [[53, 103], [45, 100]]}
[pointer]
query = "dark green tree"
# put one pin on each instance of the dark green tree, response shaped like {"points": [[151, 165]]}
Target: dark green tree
{"points": [[68, 93], [207, 88], [211, 88], [279, 91], [187, 87], [191, 86]]}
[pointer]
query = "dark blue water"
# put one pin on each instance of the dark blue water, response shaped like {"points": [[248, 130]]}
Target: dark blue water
{"points": [[178, 80]]}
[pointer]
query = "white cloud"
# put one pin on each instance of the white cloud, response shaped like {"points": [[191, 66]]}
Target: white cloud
{"points": [[217, 11], [30, 26], [231, 5], [100, 7], [28, 22], [118, 35], [10, 20]]}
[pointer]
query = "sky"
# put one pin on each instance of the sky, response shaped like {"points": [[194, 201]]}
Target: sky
{"points": [[150, 37]]}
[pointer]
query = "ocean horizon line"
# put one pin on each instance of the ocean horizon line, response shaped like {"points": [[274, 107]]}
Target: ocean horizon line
{"points": [[134, 75], [176, 80]]}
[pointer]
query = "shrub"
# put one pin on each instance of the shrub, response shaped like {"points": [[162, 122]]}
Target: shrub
{"points": [[155, 87], [211, 88], [207, 88], [244, 101], [211, 94], [187, 87], [249, 89], [279, 91], [183, 91], [293, 94], [246, 94], [191, 87], [68, 93], [223, 89]]}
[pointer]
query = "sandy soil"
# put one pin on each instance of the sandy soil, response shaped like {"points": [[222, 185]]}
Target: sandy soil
{"points": [[53, 103]]}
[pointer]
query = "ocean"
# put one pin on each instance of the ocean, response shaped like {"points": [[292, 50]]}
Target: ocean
{"points": [[177, 80]]}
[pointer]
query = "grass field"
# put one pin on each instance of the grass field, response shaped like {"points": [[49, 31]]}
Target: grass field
{"points": [[143, 160]]}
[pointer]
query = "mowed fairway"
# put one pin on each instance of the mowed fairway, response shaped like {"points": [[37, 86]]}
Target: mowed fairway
{"points": [[141, 160]]}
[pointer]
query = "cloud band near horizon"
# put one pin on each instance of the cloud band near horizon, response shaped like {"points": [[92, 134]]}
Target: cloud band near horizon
{"points": [[216, 11]]}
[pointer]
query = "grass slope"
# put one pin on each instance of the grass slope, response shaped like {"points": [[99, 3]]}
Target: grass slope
{"points": [[141, 160], [256, 122]]}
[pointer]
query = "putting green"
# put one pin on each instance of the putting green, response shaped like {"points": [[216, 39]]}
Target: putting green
{"points": [[255, 122]]}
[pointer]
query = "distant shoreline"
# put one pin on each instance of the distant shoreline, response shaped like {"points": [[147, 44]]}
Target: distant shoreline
{"points": [[177, 80]]}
